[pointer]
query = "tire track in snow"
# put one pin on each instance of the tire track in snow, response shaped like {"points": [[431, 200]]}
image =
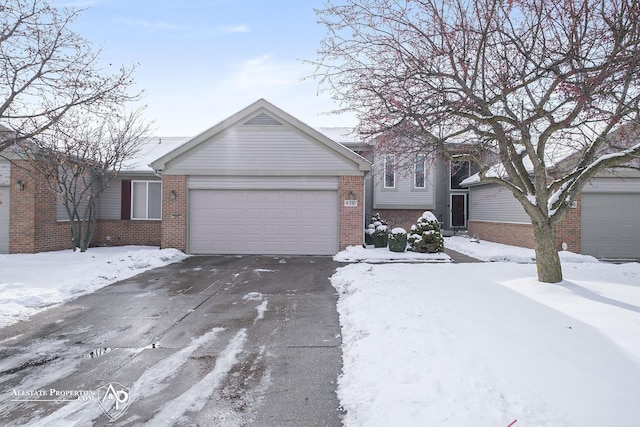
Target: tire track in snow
{"points": [[195, 398], [151, 382]]}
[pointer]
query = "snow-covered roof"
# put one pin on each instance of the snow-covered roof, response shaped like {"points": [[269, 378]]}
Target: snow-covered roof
{"points": [[151, 149]]}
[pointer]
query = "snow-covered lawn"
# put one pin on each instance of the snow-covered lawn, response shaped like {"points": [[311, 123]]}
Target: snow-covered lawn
{"points": [[33, 282], [487, 345]]}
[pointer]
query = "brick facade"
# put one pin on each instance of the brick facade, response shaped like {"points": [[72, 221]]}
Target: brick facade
{"points": [[568, 231], [350, 219], [127, 232], [34, 228], [404, 218], [501, 232], [174, 212]]}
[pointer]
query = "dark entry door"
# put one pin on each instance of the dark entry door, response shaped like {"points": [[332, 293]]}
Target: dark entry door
{"points": [[458, 210]]}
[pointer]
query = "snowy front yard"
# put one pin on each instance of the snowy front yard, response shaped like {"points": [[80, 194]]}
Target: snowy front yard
{"points": [[487, 345], [33, 282]]}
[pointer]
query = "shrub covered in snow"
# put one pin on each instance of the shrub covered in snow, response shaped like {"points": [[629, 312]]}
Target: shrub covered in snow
{"points": [[425, 234], [376, 231], [398, 240], [380, 236], [368, 234]]}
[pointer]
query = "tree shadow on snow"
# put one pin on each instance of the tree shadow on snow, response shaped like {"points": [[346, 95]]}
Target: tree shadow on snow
{"points": [[589, 294]]}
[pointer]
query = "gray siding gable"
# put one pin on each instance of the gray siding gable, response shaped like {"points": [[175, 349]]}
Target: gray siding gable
{"points": [[261, 140], [261, 150]]}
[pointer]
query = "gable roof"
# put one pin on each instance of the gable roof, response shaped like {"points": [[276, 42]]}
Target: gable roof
{"points": [[269, 114]]}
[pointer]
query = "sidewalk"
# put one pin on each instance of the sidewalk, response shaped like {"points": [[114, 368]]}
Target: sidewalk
{"points": [[460, 258]]}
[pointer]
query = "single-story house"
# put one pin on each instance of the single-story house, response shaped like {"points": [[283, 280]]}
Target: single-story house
{"points": [[259, 182]]}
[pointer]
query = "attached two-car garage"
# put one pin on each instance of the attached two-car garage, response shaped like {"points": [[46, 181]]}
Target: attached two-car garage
{"points": [[263, 222], [262, 182]]}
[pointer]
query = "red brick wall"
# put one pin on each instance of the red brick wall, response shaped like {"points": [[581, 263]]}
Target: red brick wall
{"points": [[127, 232], [351, 219], [33, 227], [505, 233], [570, 228], [22, 212], [174, 213], [404, 218]]}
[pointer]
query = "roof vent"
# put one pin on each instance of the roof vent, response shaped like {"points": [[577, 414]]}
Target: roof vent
{"points": [[263, 119]]}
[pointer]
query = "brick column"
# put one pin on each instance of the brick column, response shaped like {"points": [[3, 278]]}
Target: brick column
{"points": [[569, 230], [351, 219], [22, 211], [174, 212]]}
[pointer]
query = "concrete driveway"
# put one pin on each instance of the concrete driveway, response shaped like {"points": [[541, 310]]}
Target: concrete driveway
{"points": [[212, 341]]}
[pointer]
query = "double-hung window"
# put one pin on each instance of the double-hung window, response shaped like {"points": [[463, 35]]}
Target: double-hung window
{"points": [[389, 171], [146, 200]]}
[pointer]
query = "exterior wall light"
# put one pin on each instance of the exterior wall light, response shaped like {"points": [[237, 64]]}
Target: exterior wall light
{"points": [[20, 185], [173, 195]]}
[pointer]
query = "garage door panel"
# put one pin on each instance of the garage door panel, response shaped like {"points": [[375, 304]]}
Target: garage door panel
{"points": [[611, 225], [263, 222]]}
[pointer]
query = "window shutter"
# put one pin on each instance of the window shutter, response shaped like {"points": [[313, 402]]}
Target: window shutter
{"points": [[125, 200]]}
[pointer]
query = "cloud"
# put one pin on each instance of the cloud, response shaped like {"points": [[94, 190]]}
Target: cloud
{"points": [[191, 30]]}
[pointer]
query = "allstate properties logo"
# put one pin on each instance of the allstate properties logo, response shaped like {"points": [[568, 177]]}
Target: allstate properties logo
{"points": [[113, 399]]}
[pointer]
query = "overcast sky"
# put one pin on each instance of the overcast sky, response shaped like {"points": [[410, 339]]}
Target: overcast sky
{"points": [[200, 61]]}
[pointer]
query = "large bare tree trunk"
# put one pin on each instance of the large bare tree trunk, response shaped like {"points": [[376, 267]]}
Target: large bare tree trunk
{"points": [[547, 258]]}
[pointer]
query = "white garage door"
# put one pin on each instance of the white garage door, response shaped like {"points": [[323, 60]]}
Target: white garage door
{"points": [[611, 225], [4, 220], [292, 222]]}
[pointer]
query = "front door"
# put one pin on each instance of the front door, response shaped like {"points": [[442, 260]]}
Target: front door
{"points": [[458, 210]]}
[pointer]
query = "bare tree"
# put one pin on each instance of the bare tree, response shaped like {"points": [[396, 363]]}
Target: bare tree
{"points": [[78, 156], [530, 81], [47, 70]]}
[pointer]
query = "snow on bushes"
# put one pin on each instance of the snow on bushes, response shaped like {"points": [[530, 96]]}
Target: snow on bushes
{"points": [[398, 240], [377, 233], [425, 234]]}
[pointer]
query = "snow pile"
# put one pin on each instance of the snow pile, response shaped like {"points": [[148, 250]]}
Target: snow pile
{"points": [[494, 252], [485, 345], [32, 282], [375, 255]]}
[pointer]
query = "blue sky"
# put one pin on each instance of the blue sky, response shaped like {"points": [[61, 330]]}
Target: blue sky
{"points": [[200, 61]]}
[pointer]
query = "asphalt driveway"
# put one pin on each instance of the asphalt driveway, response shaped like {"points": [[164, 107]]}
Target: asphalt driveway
{"points": [[211, 341]]}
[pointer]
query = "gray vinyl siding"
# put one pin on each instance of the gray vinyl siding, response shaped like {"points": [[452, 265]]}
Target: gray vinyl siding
{"points": [[199, 182], [403, 195], [260, 151], [110, 201], [5, 172], [441, 210], [497, 204], [613, 185]]}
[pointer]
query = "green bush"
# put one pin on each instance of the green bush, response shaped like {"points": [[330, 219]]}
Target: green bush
{"points": [[398, 240], [380, 237], [425, 235], [368, 234]]}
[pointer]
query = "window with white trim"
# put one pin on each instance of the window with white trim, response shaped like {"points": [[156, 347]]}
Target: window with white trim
{"points": [[389, 171], [420, 172], [146, 200]]}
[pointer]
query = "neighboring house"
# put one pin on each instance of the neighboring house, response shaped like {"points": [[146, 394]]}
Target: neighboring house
{"points": [[604, 220], [260, 182], [33, 220]]}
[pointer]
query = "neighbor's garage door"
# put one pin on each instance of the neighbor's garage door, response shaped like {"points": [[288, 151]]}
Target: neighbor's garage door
{"points": [[611, 225], [4, 220], [293, 222]]}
